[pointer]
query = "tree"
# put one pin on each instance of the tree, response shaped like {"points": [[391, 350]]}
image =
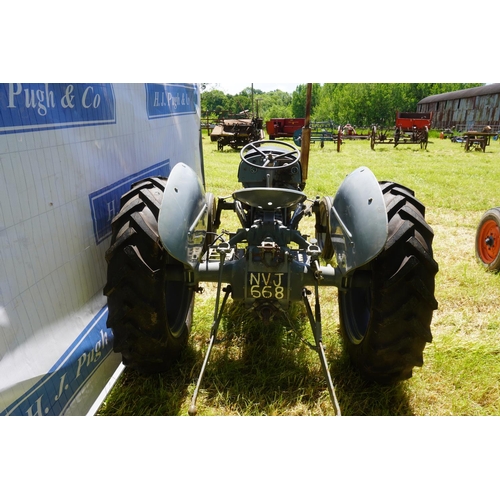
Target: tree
{"points": [[274, 104], [361, 104], [365, 104], [240, 102], [213, 102], [299, 96]]}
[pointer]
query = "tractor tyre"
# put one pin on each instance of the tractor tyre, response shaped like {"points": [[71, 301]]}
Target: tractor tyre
{"points": [[150, 306], [323, 233], [488, 240], [385, 321]]}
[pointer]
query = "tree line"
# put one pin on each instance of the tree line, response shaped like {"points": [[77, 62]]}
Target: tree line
{"points": [[361, 104]]}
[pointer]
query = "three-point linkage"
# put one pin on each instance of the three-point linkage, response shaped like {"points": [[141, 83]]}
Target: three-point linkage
{"points": [[222, 249], [315, 321]]}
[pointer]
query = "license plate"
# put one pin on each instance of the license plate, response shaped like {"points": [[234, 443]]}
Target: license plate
{"points": [[267, 285]]}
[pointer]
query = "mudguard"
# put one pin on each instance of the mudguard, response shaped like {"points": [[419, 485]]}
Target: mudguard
{"points": [[358, 220], [183, 219]]}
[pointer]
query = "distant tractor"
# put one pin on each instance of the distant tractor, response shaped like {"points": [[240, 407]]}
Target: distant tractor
{"points": [[237, 132]]}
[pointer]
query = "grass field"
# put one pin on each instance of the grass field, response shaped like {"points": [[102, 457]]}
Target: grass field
{"points": [[272, 372]]}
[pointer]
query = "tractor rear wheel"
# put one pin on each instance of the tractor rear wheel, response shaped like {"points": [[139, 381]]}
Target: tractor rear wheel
{"points": [[323, 233], [150, 306], [211, 228], [386, 324], [488, 239]]}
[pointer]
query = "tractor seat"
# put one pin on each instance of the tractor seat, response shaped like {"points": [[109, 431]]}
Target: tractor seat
{"points": [[269, 198]]}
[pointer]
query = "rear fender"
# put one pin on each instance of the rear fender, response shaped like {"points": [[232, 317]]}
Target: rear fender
{"points": [[358, 220], [183, 218]]}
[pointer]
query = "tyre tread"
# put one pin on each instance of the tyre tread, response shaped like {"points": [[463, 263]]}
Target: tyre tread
{"points": [[402, 296]]}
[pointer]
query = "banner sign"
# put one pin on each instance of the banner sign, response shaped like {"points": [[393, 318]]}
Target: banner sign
{"points": [[71, 372], [26, 107], [171, 99], [68, 152], [105, 203]]}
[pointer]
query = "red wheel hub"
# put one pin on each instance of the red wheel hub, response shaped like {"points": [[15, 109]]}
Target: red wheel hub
{"points": [[489, 241]]}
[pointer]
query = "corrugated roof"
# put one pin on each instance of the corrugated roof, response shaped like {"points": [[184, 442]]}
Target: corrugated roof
{"points": [[493, 88]]}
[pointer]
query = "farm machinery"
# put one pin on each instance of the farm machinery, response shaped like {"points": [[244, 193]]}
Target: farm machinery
{"points": [[371, 243], [410, 128], [477, 141], [237, 131], [321, 132], [283, 127]]}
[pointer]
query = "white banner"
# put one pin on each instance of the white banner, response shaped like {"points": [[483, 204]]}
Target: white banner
{"points": [[67, 154]]}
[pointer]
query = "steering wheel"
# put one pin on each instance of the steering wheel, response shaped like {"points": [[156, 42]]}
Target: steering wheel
{"points": [[271, 159]]}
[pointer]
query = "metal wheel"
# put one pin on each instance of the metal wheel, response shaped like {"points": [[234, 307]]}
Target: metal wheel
{"points": [[323, 234], [488, 240], [424, 138]]}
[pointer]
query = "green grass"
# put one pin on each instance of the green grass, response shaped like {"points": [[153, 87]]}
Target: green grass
{"points": [[273, 372]]}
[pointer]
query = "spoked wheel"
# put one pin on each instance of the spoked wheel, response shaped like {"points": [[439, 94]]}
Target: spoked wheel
{"points": [[323, 233], [150, 307], [424, 139], [386, 323], [488, 240]]}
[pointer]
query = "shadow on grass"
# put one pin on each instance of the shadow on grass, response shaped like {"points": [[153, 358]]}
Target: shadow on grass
{"points": [[257, 369], [162, 394]]}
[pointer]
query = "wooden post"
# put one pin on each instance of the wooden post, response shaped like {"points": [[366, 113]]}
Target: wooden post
{"points": [[306, 135]]}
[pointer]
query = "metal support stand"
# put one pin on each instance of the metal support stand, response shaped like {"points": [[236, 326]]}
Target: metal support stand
{"points": [[315, 321], [222, 249]]}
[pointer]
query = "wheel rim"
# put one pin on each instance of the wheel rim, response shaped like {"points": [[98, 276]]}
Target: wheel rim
{"points": [[356, 306], [321, 236], [488, 241], [324, 241]]}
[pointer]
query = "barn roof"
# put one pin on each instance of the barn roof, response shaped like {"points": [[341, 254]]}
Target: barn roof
{"points": [[492, 88]]}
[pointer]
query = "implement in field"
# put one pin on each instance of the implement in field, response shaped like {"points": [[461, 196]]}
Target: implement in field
{"points": [[349, 132], [477, 141], [411, 128], [283, 127], [237, 131], [321, 132]]}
